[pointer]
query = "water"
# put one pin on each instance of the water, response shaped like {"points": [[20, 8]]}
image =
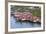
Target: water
{"points": [[15, 24]]}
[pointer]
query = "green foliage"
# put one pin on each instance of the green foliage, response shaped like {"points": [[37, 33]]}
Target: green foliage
{"points": [[20, 8], [36, 12]]}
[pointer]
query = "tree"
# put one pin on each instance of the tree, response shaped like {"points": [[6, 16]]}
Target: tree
{"points": [[21, 8], [36, 12]]}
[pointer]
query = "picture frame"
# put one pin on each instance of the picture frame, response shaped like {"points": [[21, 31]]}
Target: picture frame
{"points": [[22, 3]]}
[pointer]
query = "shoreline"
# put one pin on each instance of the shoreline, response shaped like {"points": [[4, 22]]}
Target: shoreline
{"points": [[26, 21]]}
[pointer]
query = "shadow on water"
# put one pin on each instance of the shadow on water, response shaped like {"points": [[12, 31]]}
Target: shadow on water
{"points": [[23, 24]]}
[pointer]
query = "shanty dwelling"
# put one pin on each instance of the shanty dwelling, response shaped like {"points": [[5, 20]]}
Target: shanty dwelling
{"points": [[26, 16], [23, 16]]}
